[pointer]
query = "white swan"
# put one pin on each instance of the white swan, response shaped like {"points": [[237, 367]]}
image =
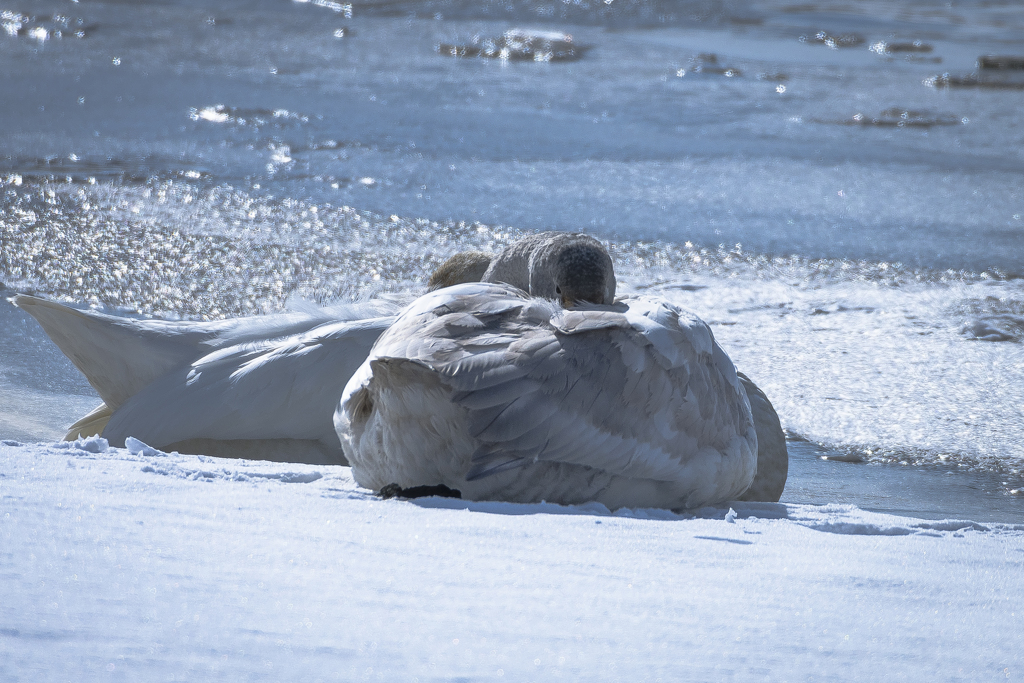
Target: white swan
{"points": [[482, 389], [246, 387], [257, 387]]}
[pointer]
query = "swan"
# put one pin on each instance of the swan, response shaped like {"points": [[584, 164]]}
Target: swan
{"points": [[484, 390], [244, 387], [531, 264], [487, 391], [260, 387]]}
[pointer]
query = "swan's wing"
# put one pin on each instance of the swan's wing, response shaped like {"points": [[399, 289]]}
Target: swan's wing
{"points": [[92, 424], [278, 389], [643, 391]]}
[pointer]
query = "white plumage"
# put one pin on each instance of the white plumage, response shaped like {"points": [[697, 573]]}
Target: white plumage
{"points": [[263, 386], [501, 396]]}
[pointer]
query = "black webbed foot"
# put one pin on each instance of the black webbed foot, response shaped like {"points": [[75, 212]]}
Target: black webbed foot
{"points": [[396, 491]]}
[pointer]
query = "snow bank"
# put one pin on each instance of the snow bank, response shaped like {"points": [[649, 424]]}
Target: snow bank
{"points": [[121, 566]]}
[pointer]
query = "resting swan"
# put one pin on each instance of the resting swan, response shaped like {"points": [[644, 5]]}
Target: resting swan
{"points": [[530, 265], [247, 387], [483, 389], [256, 387]]}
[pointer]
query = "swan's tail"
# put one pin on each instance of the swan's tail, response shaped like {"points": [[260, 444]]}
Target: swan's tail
{"points": [[90, 425], [119, 356]]}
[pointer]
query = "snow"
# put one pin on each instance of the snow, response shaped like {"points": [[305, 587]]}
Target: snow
{"points": [[121, 566]]}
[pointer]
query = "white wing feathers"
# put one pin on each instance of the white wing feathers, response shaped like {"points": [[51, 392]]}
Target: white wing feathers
{"points": [[273, 389], [121, 356]]}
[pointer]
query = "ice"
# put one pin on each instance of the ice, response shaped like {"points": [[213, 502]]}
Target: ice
{"points": [[136, 447]]}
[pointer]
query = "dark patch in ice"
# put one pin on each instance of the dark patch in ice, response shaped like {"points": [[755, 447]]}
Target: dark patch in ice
{"points": [[1001, 63], [975, 80], [727, 540], [993, 319], [519, 45], [835, 41], [852, 457], [915, 47], [911, 51], [18, 25], [327, 145], [994, 73], [75, 170], [665, 285], [897, 117], [839, 308], [996, 328], [706, 63]]}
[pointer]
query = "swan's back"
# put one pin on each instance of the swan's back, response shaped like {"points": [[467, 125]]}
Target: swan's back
{"points": [[501, 396]]}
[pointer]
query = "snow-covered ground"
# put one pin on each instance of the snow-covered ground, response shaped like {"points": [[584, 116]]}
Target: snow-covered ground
{"points": [[127, 567]]}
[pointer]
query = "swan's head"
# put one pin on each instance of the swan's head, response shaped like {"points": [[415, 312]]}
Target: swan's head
{"points": [[466, 266], [583, 272]]}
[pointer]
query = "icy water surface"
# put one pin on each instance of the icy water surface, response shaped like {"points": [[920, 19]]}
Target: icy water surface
{"points": [[836, 188]]}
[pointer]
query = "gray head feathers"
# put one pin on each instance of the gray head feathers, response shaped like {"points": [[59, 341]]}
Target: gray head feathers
{"points": [[569, 267]]}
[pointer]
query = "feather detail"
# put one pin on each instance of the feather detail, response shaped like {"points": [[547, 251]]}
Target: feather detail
{"points": [[577, 400]]}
